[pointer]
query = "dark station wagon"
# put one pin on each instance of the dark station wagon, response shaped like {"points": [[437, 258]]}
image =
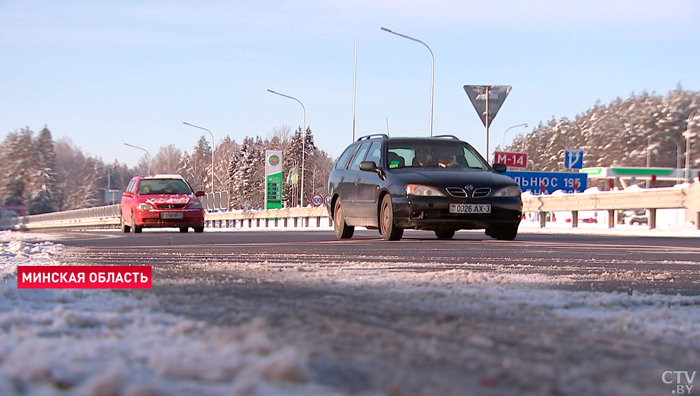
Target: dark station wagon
{"points": [[435, 183]]}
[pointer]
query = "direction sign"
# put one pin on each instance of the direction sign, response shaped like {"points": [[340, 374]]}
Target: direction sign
{"points": [[511, 160], [487, 99], [573, 159], [549, 182], [317, 200]]}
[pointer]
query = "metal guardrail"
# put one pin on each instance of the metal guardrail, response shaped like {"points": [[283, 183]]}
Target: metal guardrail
{"points": [[681, 196]]}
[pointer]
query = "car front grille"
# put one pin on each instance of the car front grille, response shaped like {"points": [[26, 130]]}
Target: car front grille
{"points": [[481, 192], [459, 192], [171, 206]]}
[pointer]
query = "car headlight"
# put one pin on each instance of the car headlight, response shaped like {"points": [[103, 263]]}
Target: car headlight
{"points": [[510, 191], [144, 206], [423, 191], [196, 205]]}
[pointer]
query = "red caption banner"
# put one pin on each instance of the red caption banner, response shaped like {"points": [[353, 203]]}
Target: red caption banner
{"points": [[84, 277]]}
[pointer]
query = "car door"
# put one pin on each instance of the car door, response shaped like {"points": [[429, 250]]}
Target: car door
{"points": [[368, 187], [127, 202], [350, 187]]}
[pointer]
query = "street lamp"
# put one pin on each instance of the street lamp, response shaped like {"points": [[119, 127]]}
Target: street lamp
{"points": [[212, 153], [147, 153], [303, 143], [503, 143], [432, 78], [687, 145]]}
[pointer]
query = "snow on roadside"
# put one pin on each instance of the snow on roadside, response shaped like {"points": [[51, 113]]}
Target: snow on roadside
{"points": [[652, 316], [98, 342]]}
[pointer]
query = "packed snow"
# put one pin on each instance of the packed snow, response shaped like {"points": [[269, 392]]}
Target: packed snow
{"points": [[98, 342]]}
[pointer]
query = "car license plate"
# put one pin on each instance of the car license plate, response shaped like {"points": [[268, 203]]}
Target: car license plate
{"points": [[470, 208], [171, 215]]}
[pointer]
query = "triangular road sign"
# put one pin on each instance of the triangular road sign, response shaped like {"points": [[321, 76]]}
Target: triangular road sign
{"points": [[496, 95]]}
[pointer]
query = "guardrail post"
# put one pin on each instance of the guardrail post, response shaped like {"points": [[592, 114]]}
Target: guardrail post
{"points": [[697, 221], [543, 219], [611, 218], [652, 219], [574, 219]]}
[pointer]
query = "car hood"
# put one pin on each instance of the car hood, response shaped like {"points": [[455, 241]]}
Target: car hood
{"points": [[456, 177], [164, 199]]}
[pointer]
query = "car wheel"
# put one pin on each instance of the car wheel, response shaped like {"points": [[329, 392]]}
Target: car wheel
{"points": [[198, 229], [125, 228], [444, 234], [183, 229], [342, 230], [389, 230], [137, 229], [503, 233]]}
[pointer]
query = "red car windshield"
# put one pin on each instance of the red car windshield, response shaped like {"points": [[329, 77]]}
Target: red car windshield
{"points": [[163, 186]]}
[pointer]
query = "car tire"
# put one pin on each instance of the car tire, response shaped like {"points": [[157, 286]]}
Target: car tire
{"points": [[342, 230], [444, 233], [198, 229], [184, 229], [503, 233], [387, 227], [137, 229], [125, 227]]}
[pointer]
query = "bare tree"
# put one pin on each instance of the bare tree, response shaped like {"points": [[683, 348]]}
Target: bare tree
{"points": [[279, 138], [167, 160]]}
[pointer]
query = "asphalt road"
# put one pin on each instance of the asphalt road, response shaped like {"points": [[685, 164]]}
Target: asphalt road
{"points": [[576, 256], [422, 316]]}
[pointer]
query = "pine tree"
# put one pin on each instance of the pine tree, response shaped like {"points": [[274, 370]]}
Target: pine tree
{"points": [[45, 176], [17, 167]]}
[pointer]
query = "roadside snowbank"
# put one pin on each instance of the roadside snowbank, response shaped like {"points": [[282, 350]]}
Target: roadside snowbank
{"points": [[99, 342]]}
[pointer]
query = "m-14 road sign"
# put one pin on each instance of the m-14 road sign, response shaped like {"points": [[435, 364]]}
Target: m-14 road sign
{"points": [[511, 160]]}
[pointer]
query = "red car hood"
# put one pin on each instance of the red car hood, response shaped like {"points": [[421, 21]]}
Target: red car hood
{"points": [[163, 199]]}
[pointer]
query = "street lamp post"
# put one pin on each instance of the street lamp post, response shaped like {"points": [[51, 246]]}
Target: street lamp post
{"points": [[303, 143], [432, 78], [503, 143], [147, 153], [212, 153]]}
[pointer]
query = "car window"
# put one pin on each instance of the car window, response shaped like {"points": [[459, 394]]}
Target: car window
{"points": [[163, 186], [434, 154], [342, 162], [359, 156], [375, 153], [130, 187]]}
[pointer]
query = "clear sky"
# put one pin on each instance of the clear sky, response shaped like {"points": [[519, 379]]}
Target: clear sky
{"points": [[105, 73]]}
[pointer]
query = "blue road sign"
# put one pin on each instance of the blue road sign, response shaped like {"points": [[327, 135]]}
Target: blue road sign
{"points": [[551, 181], [573, 159]]}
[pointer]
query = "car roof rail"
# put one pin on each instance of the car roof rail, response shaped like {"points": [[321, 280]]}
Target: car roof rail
{"points": [[447, 136], [381, 135]]}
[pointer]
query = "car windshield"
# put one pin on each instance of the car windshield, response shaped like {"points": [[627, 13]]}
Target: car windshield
{"points": [[163, 186], [433, 154]]}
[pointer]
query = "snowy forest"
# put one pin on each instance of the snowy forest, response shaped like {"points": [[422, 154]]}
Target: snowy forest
{"points": [[43, 175], [46, 176], [642, 130]]}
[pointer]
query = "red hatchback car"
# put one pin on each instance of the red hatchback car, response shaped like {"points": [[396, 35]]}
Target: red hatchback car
{"points": [[161, 201]]}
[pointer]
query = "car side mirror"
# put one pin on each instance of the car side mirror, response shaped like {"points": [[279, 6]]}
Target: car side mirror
{"points": [[499, 168], [368, 166], [127, 194], [200, 193]]}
